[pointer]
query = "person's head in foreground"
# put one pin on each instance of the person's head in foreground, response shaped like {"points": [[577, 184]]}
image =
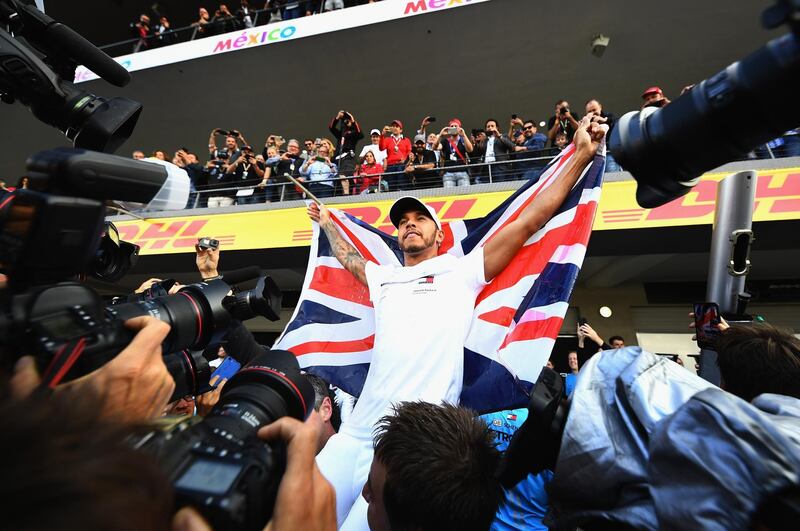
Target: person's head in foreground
{"points": [[759, 358], [433, 469]]}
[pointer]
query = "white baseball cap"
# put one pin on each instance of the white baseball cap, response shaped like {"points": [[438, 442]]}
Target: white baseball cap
{"points": [[407, 203]]}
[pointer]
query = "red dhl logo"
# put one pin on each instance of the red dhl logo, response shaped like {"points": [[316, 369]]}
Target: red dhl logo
{"points": [[176, 234], [773, 195], [379, 218]]}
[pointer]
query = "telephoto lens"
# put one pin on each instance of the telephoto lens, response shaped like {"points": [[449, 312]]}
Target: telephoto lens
{"points": [[218, 464]]}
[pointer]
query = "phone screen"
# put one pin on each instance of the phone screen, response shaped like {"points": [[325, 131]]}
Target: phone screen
{"points": [[226, 369], [706, 319]]}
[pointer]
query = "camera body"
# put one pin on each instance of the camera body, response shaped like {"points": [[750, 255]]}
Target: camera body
{"points": [[220, 154], [218, 464], [562, 111]]}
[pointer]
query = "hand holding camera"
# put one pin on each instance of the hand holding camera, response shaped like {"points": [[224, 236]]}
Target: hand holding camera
{"points": [[207, 258]]}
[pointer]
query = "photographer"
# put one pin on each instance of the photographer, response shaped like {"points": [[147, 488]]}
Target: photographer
{"points": [[142, 30], [347, 132], [288, 164], [319, 172], [231, 151], [420, 163], [496, 148], [197, 178], [562, 121], [455, 148], [247, 173], [217, 191]]}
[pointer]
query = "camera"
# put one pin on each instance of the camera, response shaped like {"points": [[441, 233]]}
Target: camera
{"points": [[208, 243], [218, 464], [41, 56], [599, 44], [659, 146], [221, 154], [563, 110]]}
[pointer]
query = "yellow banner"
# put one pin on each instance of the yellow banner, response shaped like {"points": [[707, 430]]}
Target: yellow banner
{"points": [[777, 198]]}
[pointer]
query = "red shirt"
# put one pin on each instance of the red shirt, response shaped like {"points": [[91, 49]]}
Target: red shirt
{"points": [[397, 151], [366, 176]]}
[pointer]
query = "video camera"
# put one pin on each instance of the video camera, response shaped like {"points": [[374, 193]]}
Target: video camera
{"points": [[718, 120], [45, 85]]}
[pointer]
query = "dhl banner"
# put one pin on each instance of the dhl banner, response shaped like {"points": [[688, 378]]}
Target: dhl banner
{"points": [[777, 198]]}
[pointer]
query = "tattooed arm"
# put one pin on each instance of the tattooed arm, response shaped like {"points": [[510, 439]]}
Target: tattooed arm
{"points": [[347, 255]]}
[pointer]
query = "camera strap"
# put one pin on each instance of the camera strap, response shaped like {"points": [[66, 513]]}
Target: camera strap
{"points": [[63, 360]]}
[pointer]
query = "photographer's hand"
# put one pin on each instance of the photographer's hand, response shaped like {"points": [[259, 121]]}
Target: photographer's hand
{"points": [[206, 402], [147, 284], [207, 261], [589, 332], [305, 498]]}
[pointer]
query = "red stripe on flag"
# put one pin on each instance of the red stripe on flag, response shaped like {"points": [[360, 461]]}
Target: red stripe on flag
{"points": [[356, 242], [553, 176], [534, 330], [448, 242], [501, 316], [334, 347], [339, 283], [532, 259]]}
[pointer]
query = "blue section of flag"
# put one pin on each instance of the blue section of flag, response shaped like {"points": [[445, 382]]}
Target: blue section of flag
{"points": [[348, 378], [311, 312], [489, 386]]}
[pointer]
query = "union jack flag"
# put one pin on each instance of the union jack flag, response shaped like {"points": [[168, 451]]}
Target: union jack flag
{"points": [[517, 316]]}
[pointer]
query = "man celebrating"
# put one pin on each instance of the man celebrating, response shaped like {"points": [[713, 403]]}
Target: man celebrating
{"points": [[423, 313]]}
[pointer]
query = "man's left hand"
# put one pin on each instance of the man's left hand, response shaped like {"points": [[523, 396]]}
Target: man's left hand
{"points": [[207, 261], [588, 135]]}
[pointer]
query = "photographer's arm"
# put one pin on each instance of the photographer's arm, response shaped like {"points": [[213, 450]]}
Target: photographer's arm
{"points": [[551, 134], [212, 141], [347, 255]]}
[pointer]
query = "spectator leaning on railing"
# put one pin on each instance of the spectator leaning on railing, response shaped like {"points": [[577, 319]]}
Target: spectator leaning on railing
{"points": [[368, 175], [247, 173], [533, 144], [319, 172]]}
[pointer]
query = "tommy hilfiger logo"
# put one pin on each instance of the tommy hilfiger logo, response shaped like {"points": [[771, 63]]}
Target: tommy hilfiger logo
{"points": [[426, 280]]}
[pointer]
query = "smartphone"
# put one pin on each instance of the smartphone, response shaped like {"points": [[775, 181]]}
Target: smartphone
{"points": [[513, 116], [208, 243], [452, 130], [706, 319], [226, 369], [319, 159], [582, 321], [431, 119]]}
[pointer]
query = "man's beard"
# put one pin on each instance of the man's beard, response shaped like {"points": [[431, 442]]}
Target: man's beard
{"points": [[415, 248]]}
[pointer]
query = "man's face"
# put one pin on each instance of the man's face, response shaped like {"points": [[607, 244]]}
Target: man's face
{"points": [[377, 518], [618, 343], [419, 146], [376, 139], [309, 144], [293, 148], [647, 99], [491, 128], [396, 129], [191, 158], [230, 143], [203, 12], [182, 406], [594, 107], [528, 129], [138, 155], [416, 232], [561, 104], [572, 360], [432, 139]]}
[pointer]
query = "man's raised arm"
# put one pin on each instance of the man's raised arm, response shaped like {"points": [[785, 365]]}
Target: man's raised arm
{"points": [[500, 250], [347, 255]]}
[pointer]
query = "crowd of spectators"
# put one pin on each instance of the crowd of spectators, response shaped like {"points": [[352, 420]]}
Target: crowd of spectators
{"points": [[157, 31], [390, 160]]}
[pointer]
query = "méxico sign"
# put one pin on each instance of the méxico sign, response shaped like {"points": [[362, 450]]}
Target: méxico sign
{"points": [[777, 198], [283, 31]]}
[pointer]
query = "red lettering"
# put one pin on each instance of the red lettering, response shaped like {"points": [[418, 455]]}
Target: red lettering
{"points": [[706, 192], [368, 214], [158, 230], [194, 227], [127, 232], [459, 209], [781, 206], [419, 6], [790, 186]]}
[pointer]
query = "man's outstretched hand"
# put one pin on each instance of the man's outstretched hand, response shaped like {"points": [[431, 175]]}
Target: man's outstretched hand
{"points": [[318, 213], [207, 261], [589, 134]]}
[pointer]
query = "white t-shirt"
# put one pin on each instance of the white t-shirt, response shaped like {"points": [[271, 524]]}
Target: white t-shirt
{"points": [[422, 317], [379, 153], [489, 155]]}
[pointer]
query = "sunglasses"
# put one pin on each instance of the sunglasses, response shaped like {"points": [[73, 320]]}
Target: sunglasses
{"points": [[528, 127]]}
